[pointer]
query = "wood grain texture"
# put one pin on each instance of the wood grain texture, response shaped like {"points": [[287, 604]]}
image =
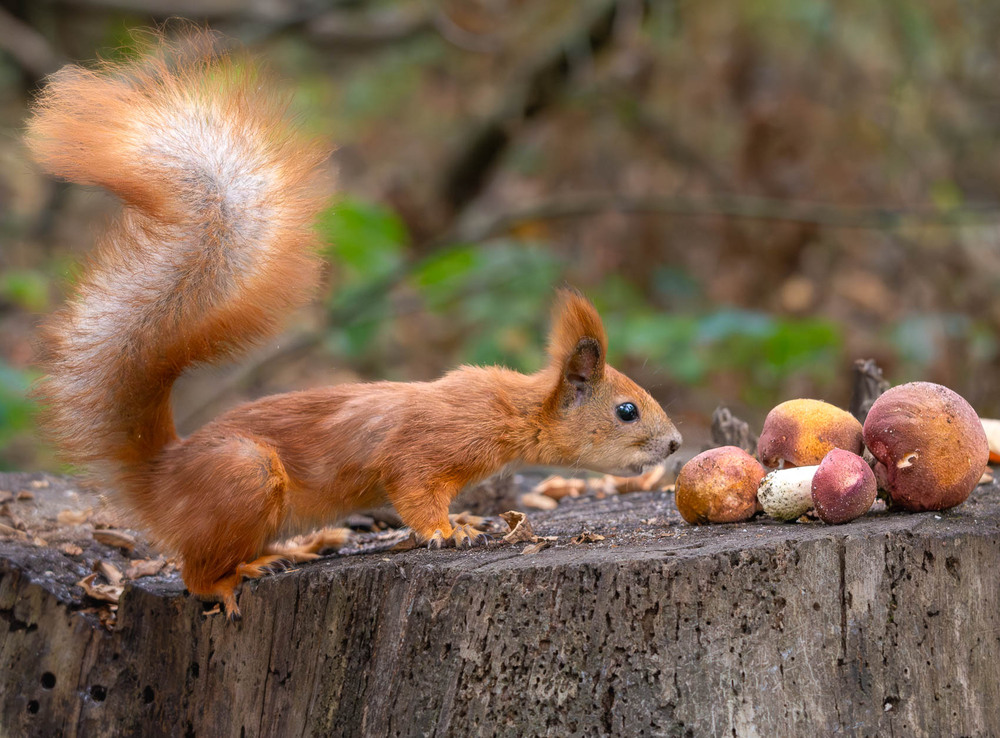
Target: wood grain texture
{"points": [[886, 626]]}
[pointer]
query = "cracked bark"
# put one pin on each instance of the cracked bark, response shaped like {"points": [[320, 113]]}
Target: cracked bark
{"points": [[660, 629]]}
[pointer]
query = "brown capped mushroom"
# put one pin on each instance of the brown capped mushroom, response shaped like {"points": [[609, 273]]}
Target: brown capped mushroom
{"points": [[802, 432], [930, 446], [843, 487], [719, 486]]}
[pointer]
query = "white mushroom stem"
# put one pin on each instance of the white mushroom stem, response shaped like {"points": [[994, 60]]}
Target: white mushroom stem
{"points": [[786, 494], [992, 428]]}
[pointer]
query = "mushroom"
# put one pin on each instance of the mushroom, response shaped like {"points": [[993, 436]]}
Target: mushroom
{"points": [[786, 494], [992, 428], [844, 487], [719, 486], [802, 432], [841, 487], [930, 445]]}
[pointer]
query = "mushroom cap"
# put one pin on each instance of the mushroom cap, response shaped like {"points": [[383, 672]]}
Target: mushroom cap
{"points": [[843, 487], [719, 486], [930, 445], [802, 432]]}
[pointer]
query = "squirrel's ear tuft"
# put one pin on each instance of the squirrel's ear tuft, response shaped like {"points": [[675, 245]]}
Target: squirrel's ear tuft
{"points": [[577, 342]]}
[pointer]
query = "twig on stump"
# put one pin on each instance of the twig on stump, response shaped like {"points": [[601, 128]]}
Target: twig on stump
{"points": [[728, 430], [868, 387]]}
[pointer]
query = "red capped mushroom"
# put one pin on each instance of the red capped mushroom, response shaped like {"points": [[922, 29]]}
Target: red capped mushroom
{"points": [[843, 487], [930, 446]]}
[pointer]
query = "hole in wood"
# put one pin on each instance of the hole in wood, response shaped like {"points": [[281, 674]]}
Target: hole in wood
{"points": [[48, 680]]}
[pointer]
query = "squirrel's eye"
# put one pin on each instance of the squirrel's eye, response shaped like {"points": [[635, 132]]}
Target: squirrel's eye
{"points": [[627, 412]]}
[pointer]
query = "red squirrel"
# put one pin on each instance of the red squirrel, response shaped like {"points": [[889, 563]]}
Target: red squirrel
{"points": [[213, 248]]}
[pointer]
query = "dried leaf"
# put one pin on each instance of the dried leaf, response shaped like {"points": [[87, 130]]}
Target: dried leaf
{"points": [[73, 517], [145, 568], [558, 487], [538, 502], [535, 548], [103, 592], [70, 549], [112, 537], [587, 537], [109, 571], [520, 527]]}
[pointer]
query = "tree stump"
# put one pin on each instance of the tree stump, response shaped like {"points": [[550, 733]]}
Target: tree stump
{"points": [[889, 625]]}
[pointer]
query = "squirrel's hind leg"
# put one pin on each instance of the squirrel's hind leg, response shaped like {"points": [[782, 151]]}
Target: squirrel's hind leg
{"points": [[237, 502]]}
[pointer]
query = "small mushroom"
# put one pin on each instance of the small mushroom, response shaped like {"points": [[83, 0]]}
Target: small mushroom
{"points": [[992, 428], [719, 486], [802, 432], [786, 494], [930, 445], [844, 487]]}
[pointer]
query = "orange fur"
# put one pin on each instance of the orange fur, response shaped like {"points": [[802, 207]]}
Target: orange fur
{"points": [[212, 250]]}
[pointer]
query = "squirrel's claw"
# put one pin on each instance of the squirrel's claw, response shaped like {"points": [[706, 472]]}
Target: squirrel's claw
{"points": [[462, 536]]}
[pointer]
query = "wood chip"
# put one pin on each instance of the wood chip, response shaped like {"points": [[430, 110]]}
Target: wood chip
{"points": [[987, 477], [520, 527], [6, 530], [214, 611], [109, 571], [70, 549], [535, 548], [25, 495], [74, 517], [13, 517], [112, 537], [587, 537], [145, 568], [6, 495], [558, 487], [98, 591], [649, 481], [467, 518], [538, 502], [38, 484]]}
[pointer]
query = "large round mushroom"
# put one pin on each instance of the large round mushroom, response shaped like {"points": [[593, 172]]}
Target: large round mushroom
{"points": [[930, 446]]}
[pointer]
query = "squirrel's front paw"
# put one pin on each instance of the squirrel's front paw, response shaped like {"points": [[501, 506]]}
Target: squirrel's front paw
{"points": [[462, 536]]}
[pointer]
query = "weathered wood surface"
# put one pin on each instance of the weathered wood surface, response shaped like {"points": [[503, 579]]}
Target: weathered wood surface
{"points": [[887, 626]]}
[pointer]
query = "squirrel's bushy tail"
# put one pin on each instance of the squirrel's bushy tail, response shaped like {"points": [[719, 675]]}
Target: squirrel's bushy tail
{"points": [[213, 247]]}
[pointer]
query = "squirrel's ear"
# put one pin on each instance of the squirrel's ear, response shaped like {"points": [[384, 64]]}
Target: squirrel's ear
{"points": [[577, 345]]}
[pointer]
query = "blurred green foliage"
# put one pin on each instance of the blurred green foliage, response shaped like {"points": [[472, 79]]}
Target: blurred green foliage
{"points": [[499, 293], [15, 409]]}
